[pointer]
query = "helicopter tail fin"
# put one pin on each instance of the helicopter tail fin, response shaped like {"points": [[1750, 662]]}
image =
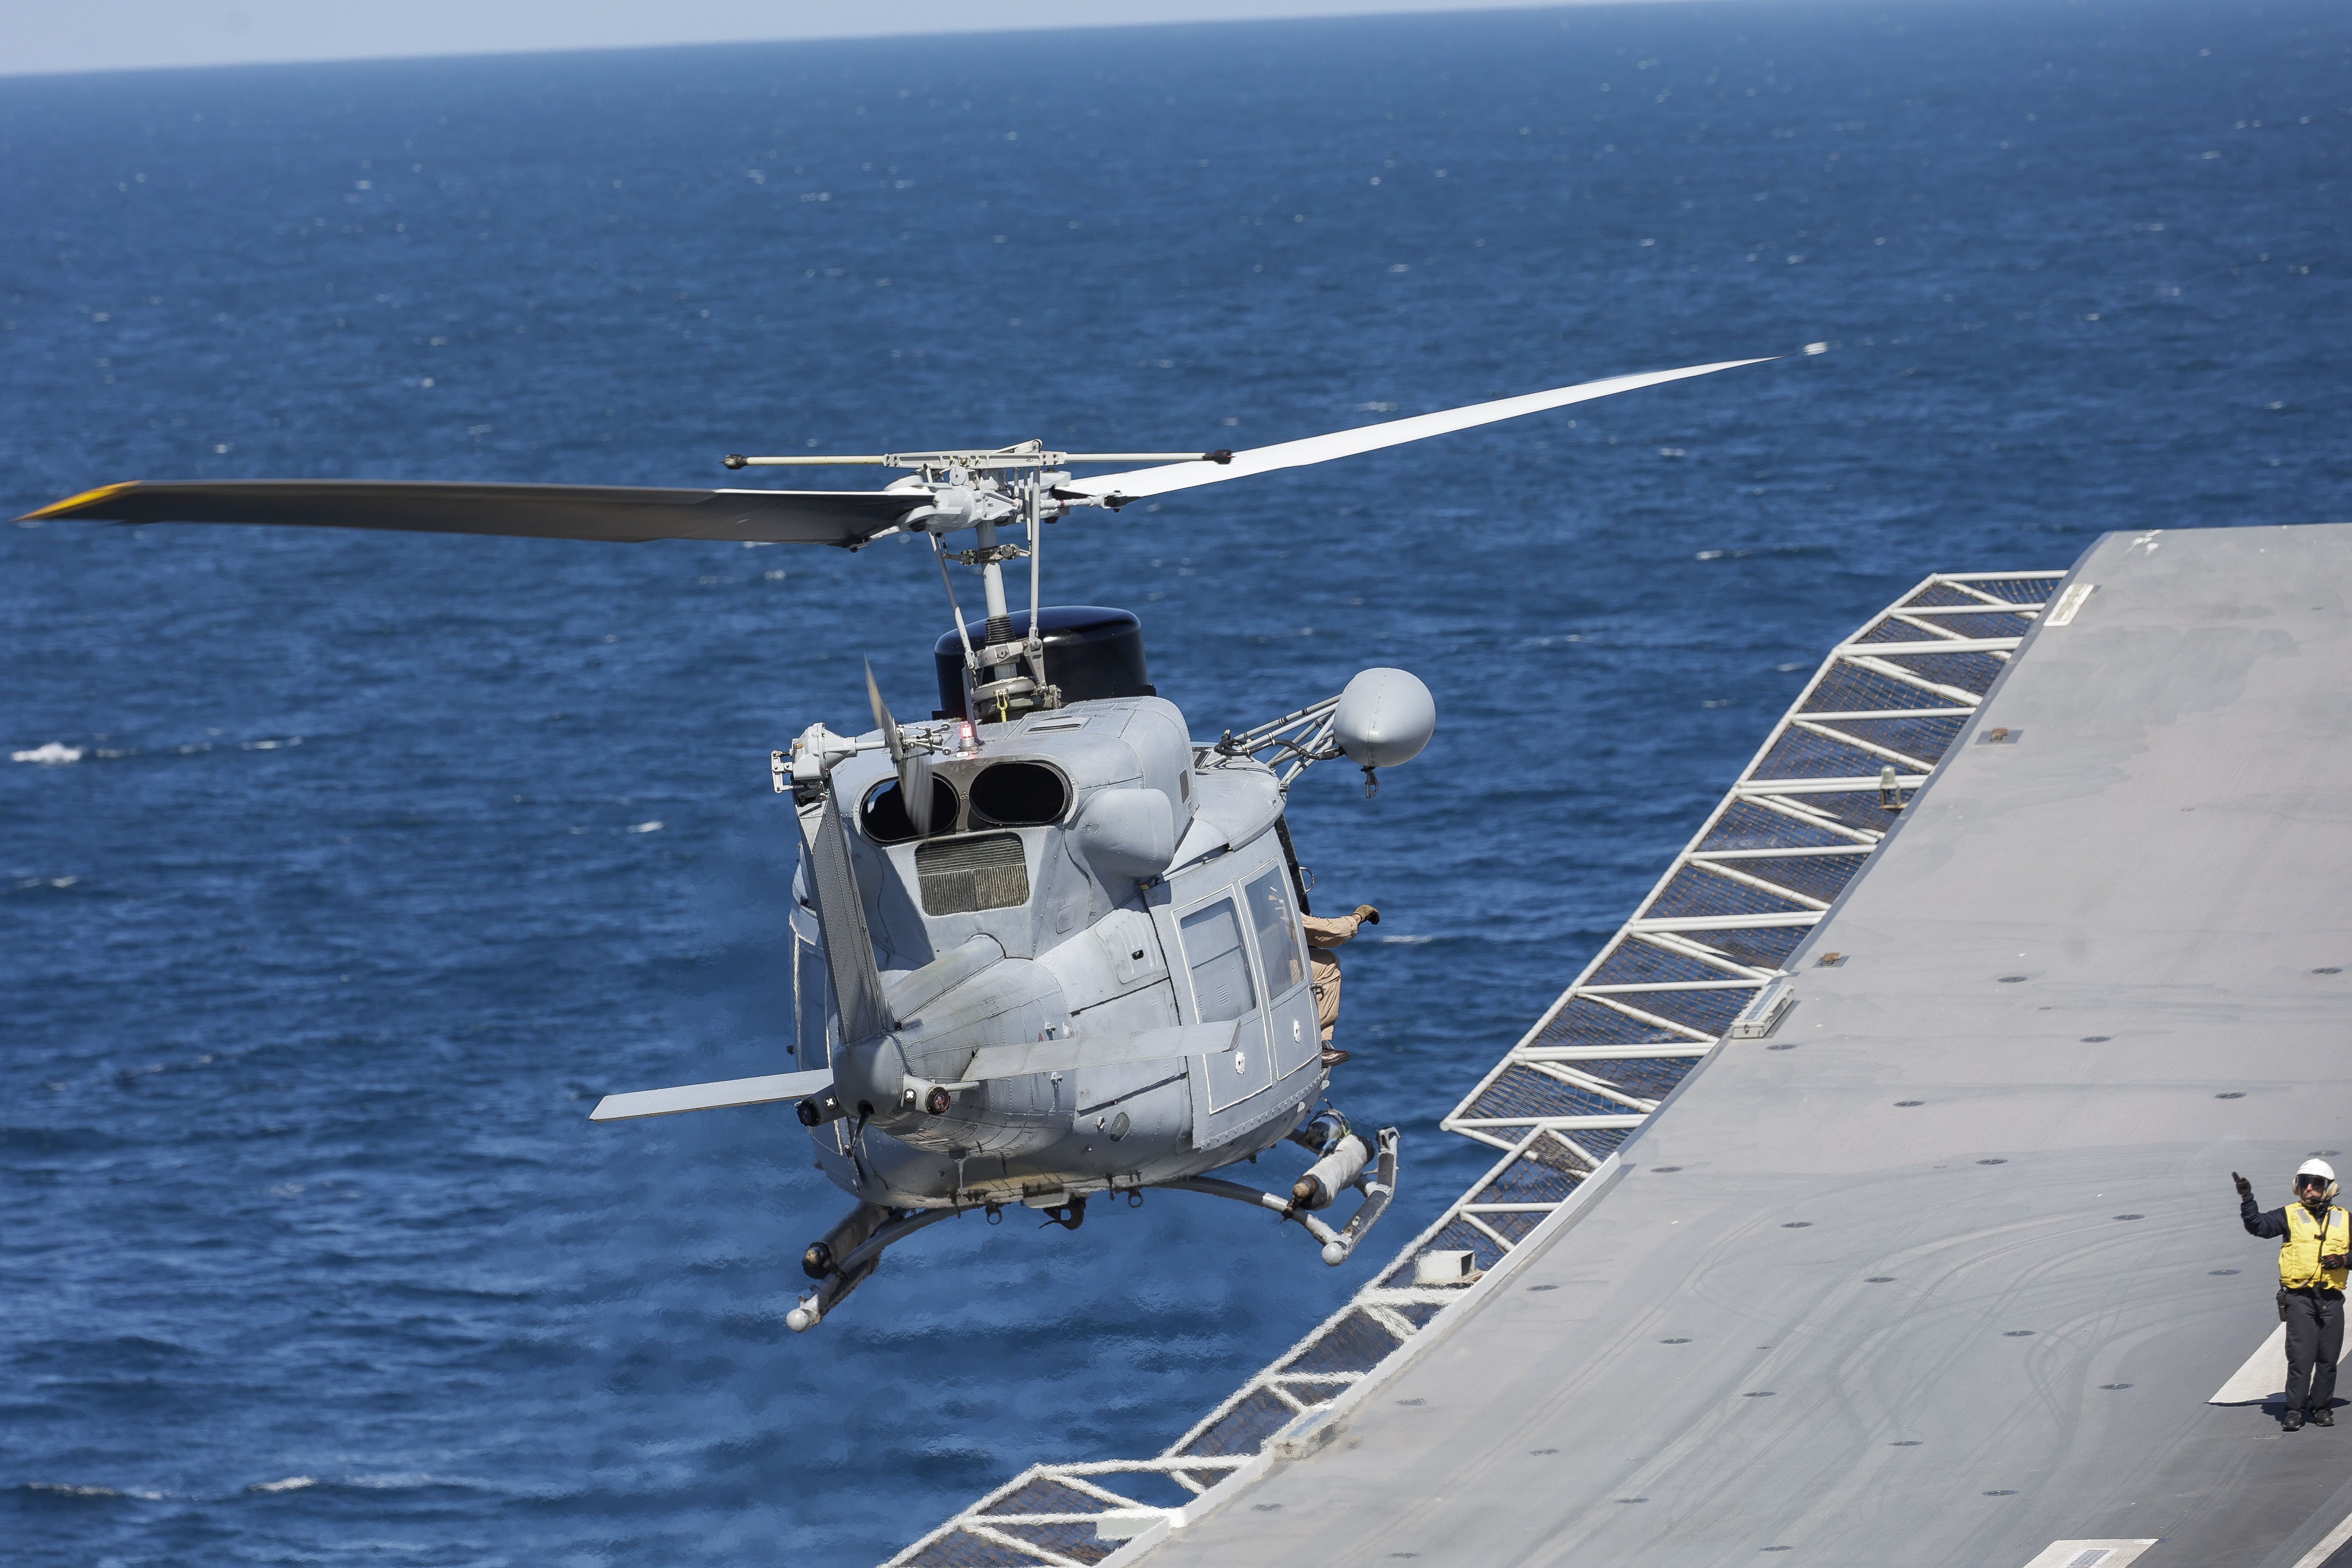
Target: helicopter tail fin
{"points": [[848, 950]]}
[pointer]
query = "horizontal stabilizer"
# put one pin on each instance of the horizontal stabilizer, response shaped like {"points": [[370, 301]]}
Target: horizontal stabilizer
{"points": [[712, 1096], [1100, 1051]]}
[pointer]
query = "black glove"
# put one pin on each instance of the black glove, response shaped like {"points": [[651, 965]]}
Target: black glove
{"points": [[1368, 914], [2245, 1188], [2332, 1260]]}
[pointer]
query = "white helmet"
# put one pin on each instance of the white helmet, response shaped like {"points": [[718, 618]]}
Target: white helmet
{"points": [[2320, 1168]]}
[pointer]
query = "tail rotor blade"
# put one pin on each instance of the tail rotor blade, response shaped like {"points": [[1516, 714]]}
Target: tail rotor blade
{"points": [[882, 720], [914, 789], [914, 767]]}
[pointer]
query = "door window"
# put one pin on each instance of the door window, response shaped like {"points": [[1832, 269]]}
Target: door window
{"points": [[1277, 936], [1220, 963]]}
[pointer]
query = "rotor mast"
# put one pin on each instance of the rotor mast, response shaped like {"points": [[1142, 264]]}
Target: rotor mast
{"points": [[992, 587], [980, 491]]}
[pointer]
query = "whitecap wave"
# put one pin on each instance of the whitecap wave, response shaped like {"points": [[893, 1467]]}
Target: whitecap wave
{"points": [[67, 1488], [407, 1480], [53, 754], [646, 827], [1407, 941], [291, 1484]]}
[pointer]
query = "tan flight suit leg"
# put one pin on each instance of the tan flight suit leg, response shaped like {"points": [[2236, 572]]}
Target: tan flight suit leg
{"points": [[1325, 932], [1325, 968]]}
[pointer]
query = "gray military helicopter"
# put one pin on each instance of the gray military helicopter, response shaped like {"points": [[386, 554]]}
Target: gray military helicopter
{"points": [[1046, 945]]}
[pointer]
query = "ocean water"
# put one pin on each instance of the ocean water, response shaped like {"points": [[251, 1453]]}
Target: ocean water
{"points": [[339, 874]]}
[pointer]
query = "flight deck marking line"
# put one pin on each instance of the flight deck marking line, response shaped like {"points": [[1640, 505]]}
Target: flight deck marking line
{"points": [[2110, 1553], [2261, 1378], [2069, 603], [2327, 1547]]}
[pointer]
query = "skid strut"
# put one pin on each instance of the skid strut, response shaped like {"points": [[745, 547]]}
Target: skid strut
{"points": [[1373, 1172], [849, 1252]]}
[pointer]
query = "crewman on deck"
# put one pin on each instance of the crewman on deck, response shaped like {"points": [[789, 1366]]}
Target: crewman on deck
{"points": [[2314, 1245], [1325, 932]]}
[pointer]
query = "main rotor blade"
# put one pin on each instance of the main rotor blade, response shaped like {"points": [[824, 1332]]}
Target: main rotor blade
{"points": [[620, 514], [712, 1096], [1137, 483]]}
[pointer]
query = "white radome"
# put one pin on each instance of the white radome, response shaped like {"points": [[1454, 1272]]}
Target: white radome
{"points": [[1384, 718]]}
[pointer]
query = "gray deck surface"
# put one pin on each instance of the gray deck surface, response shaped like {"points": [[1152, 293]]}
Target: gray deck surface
{"points": [[2165, 855]]}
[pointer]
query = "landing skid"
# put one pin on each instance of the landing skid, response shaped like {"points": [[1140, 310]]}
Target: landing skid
{"points": [[1378, 1185], [852, 1249], [849, 1252]]}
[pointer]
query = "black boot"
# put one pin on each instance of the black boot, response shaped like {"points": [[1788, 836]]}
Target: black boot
{"points": [[1333, 1056], [2322, 1416], [2293, 1422]]}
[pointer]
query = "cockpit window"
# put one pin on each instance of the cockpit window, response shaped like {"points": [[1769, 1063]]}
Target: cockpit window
{"points": [[1278, 936], [965, 876], [1220, 964], [1020, 795]]}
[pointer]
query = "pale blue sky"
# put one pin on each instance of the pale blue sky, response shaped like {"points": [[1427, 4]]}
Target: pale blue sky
{"points": [[115, 35]]}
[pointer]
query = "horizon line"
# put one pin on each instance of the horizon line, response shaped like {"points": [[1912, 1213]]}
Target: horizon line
{"points": [[1224, 12]]}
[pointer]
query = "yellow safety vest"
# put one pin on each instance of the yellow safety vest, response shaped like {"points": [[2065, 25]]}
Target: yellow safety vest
{"points": [[2306, 1238]]}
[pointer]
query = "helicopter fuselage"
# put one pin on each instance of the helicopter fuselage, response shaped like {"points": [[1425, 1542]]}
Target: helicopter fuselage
{"points": [[1089, 873], [1074, 962]]}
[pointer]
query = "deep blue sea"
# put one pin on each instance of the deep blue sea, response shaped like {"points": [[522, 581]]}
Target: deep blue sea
{"points": [[384, 855]]}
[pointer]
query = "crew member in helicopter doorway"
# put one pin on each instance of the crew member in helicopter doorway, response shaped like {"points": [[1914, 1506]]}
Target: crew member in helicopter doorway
{"points": [[1325, 932]]}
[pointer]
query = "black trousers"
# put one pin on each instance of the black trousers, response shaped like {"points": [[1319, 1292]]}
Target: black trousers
{"points": [[2315, 1334]]}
